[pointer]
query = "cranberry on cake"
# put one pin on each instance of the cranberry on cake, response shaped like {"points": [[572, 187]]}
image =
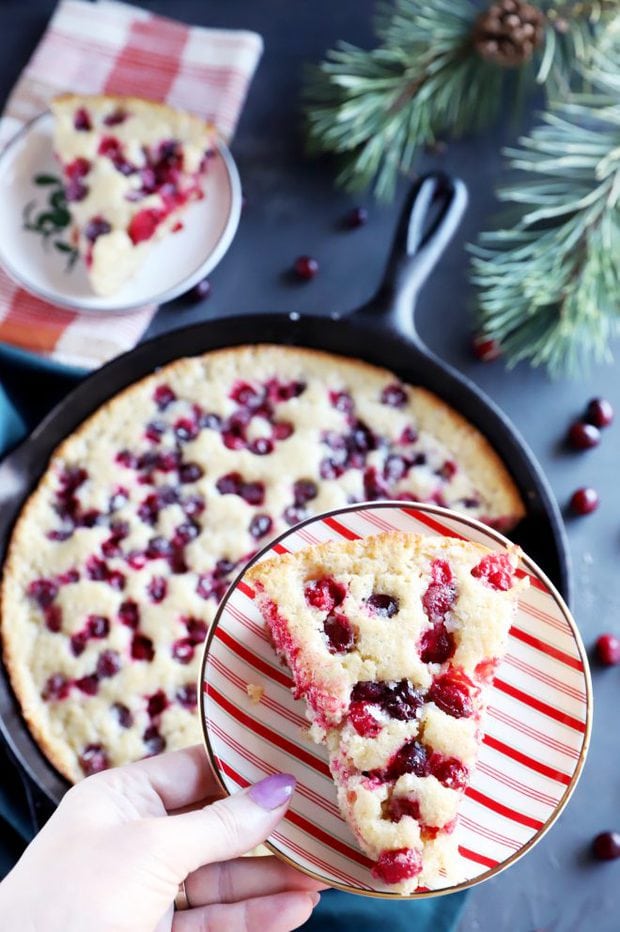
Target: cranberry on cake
{"points": [[392, 641], [147, 512], [130, 167]]}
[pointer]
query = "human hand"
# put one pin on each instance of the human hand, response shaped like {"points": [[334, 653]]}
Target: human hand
{"points": [[112, 856]]}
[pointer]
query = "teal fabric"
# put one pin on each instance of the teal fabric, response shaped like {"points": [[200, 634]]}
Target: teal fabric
{"points": [[338, 911]]}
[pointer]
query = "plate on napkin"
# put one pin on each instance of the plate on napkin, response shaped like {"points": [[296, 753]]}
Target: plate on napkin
{"points": [[536, 730], [35, 246]]}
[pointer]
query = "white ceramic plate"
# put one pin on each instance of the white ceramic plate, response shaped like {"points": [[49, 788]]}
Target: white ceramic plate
{"points": [[174, 265], [536, 730]]}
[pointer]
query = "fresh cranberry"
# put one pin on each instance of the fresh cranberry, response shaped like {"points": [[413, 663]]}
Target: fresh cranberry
{"points": [[399, 864], [448, 470], [330, 469], [394, 395], [53, 618], [95, 228], [606, 846], [163, 397], [154, 741], [108, 664], [88, 684], [439, 597], [496, 571], [81, 120], [485, 349], [600, 412], [305, 267], [209, 587], [260, 525], [158, 547], [339, 632], [356, 217], [230, 484], [186, 696], [193, 506], [281, 430], [57, 687], [127, 459], [342, 401], [395, 468], [325, 594], [59, 535], [98, 626], [143, 224], [399, 806], [93, 759], [294, 514], [450, 771], [186, 532], [399, 699], [124, 716], [76, 190], [156, 704], [110, 146], [363, 720], [583, 436], [43, 591], [374, 486], [185, 429], [78, 643], [584, 501], [190, 472], [385, 606], [409, 435], [183, 650], [283, 391], [96, 569], [129, 614], [450, 692], [608, 649], [78, 168], [304, 490], [262, 446], [142, 648], [157, 589], [437, 644], [115, 117]]}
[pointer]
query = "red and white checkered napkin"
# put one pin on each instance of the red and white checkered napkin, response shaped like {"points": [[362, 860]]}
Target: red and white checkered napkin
{"points": [[115, 48]]}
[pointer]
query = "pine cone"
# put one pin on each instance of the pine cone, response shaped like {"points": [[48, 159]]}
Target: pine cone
{"points": [[508, 32]]}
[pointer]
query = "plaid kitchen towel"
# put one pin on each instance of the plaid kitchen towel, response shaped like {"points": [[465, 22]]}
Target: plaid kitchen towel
{"points": [[115, 48]]}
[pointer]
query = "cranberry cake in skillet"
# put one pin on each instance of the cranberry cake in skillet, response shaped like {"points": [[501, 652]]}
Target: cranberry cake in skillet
{"points": [[130, 167], [147, 512], [392, 640]]}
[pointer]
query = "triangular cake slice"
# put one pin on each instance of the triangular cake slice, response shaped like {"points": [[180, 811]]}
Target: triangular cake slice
{"points": [[393, 641], [130, 168]]}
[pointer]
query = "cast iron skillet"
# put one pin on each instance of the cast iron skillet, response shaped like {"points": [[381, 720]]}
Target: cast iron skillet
{"points": [[381, 332]]}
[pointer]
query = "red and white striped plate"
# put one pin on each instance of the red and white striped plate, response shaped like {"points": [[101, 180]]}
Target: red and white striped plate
{"points": [[536, 731]]}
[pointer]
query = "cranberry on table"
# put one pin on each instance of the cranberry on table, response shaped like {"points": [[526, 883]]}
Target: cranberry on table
{"points": [[584, 501], [583, 436], [356, 217], [305, 267], [599, 412], [608, 649], [606, 846], [485, 349], [200, 291]]}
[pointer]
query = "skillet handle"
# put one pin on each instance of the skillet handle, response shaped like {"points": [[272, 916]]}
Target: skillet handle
{"points": [[429, 219]]}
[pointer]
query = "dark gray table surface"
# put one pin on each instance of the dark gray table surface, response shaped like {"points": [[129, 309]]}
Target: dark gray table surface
{"points": [[293, 208]]}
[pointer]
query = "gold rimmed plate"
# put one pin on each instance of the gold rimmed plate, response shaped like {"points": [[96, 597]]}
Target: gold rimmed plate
{"points": [[536, 731]]}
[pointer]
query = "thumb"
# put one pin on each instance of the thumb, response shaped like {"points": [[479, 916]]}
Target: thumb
{"points": [[224, 829]]}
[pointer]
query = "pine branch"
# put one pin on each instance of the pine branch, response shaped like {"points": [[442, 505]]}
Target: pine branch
{"points": [[426, 79], [549, 281]]}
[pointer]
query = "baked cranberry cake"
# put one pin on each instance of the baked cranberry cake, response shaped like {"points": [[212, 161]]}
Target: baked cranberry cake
{"points": [[148, 511], [392, 640], [130, 167]]}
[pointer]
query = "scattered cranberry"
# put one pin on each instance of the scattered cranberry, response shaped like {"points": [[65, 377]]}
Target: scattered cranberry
{"points": [[76, 190], [606, 846], [43, 591], [450, 692], [57, 687], [397, 865], [154, 741], [282, 430], [496, 571], [584, 501], [400, 700], [583, 436], [485, 349], [260, 525], [262, 446], [156, 704], [356, 217], [385, 606], [342, 401], [399, 806], [183, 650], [412, 757], [163, 396], [599, 412], [340, 633], [450, 771], [129, 614], [437, 644], [608, 649], [108, 664], [53, 618], [201, 291], [125, 718], [325, 594], [78, 168], [142, 648], [88, 684], [186, 696], [115, 117], [81, 119], [93, 759], [143, 224], [363, 720], [305, 267], [394, 396], [157, 589], [196, 629], [95, 228]]}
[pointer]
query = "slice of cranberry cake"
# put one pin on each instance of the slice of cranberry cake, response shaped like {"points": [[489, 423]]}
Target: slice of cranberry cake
{"points": [[147, 512], [130, 166], [393, 640]]}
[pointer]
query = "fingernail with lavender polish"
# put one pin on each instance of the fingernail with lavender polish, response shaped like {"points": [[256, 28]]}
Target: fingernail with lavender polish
{"points": [[274, 791]]}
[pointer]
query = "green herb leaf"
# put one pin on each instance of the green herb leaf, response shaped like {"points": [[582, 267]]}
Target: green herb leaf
{"points": [[45, 180]]}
